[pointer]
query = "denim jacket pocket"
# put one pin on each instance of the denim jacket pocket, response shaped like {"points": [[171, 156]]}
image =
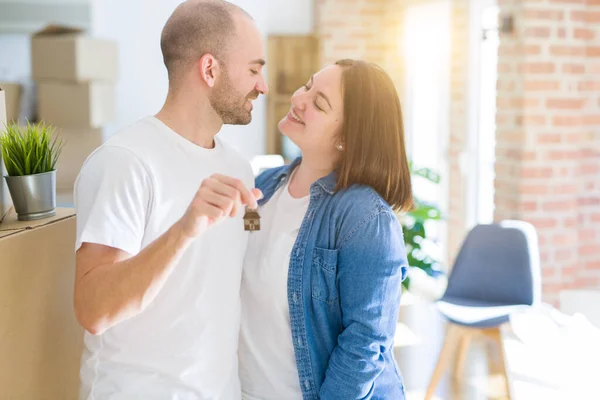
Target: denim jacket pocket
{"points": [[324, 275]]}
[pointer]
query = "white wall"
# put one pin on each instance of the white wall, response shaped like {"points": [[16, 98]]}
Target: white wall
{"points": [[15, 60], [135, 25], [290, 17]]}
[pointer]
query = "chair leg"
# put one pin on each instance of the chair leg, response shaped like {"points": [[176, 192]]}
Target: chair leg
{"points": [[463, 349], [496, 335], [452, 338]]}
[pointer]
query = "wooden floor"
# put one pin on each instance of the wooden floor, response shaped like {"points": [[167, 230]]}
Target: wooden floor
{"points": [[419, 339]]}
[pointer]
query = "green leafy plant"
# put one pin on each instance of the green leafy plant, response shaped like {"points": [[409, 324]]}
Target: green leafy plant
{"points": [[414, 227], [31, 149]]}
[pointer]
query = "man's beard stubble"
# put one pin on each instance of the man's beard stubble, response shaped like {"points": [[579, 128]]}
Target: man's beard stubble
{"points": [[229, 104]]}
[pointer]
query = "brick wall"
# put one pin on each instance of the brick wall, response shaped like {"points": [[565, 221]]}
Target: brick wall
{"points": [[365, 29], [548, 137]]}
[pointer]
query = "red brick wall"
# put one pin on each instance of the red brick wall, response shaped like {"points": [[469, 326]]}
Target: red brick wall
{"points": [[548, 137]]}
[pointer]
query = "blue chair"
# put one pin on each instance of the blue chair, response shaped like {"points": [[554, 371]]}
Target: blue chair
{"points": [[496, 271]]}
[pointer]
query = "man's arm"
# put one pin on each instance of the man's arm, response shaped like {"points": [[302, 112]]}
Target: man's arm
{"points": [[112, 286]]}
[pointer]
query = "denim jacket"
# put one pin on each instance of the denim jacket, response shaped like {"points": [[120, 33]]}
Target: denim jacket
{"points": [[344, 286]]}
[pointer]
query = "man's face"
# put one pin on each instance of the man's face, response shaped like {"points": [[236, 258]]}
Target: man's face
{"points": [[241, 79]]}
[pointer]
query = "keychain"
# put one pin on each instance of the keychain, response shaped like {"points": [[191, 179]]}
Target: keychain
{"points": [[251, 220]]}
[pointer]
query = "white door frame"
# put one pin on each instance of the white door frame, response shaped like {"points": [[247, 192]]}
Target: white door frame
{"points": [[470, 163]]}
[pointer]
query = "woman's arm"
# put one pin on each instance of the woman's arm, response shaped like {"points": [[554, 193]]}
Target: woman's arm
{"points": [[371, 267]]}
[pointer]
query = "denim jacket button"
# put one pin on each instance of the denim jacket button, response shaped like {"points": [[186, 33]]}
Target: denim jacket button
{"points": [[307, 384], [295, 298], [299, 342]]}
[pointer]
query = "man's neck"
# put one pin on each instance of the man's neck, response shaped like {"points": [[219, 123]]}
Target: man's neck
{"points": [[191, 117]]}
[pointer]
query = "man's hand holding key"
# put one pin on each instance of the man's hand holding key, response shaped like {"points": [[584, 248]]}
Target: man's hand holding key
{"points": [[218, 197]]}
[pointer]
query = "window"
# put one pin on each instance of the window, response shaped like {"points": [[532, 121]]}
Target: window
{"points": [[427, 83]]}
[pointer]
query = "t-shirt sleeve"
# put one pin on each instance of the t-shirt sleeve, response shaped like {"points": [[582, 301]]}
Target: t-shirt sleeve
{"points": [[112, 198]]}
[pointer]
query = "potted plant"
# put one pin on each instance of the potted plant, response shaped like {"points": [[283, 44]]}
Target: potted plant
{"points": [[30, 154], [414, 225]]}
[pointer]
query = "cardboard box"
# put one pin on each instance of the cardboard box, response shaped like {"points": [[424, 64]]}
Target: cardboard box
{"points": [[40, 339], [5, 199], [67, 54], [76, 105], [12, 93], [79, 144]]}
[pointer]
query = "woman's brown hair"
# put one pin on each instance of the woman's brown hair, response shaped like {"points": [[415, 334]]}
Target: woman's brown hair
{"points": [[373, 135]]}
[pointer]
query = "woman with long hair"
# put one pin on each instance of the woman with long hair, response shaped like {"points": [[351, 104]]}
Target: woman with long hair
{"points": [[322, 278]]}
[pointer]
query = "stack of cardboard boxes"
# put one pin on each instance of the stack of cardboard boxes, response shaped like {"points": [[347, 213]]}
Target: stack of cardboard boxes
{"points": [[40, 339], [75, 76]]}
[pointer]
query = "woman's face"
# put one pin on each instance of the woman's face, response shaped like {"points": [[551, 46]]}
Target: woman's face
{"points": [[315, 119]]}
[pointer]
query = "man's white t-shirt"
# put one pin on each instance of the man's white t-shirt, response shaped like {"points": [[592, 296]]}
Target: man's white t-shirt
{"points": [[184, 345], [267, 363]]}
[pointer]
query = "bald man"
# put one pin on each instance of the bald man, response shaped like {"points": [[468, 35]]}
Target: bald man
{"points": [[160, 235]]}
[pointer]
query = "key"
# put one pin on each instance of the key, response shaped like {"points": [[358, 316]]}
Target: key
{"points": [[251, 220]]}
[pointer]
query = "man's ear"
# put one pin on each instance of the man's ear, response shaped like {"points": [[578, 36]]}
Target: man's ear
{"points": [[208, 69]]}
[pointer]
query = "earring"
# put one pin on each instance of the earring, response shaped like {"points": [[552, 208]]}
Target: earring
{"points": [[340, 147]]}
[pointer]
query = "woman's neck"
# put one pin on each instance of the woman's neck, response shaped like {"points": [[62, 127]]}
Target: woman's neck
{"points": [[304, 176]]}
